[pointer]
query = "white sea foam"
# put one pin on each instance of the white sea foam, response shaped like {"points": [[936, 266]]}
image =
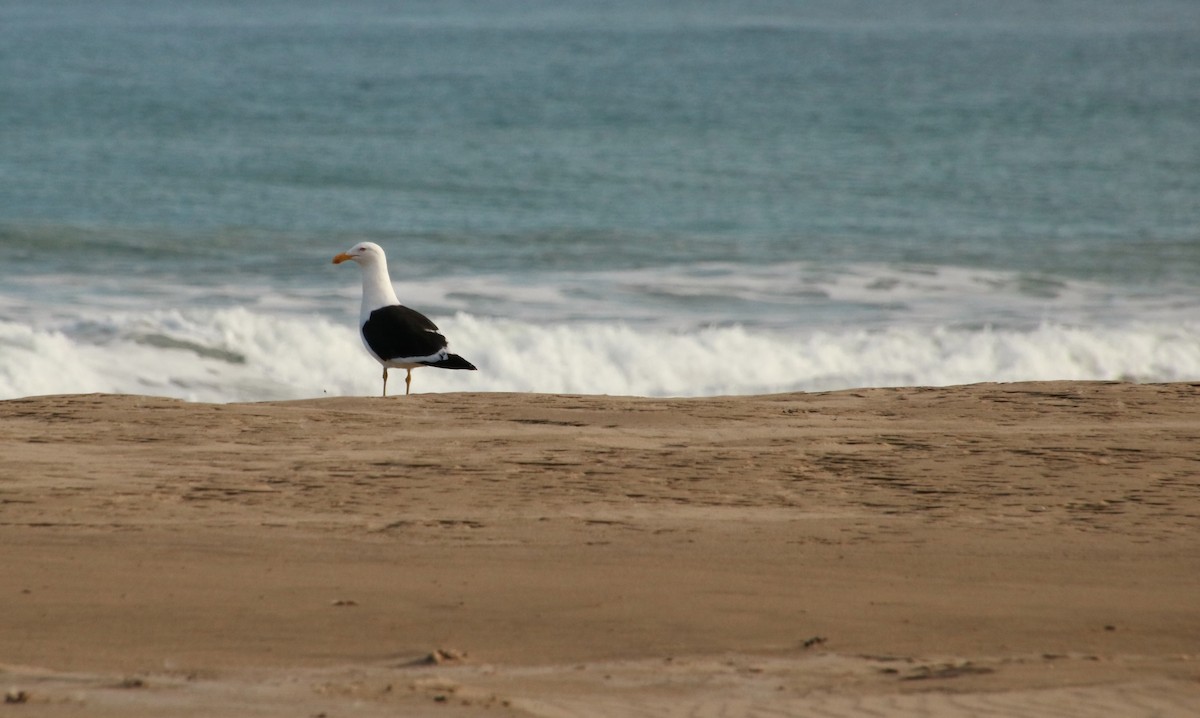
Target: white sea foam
{"points": [[796, 295], [241, 355]]}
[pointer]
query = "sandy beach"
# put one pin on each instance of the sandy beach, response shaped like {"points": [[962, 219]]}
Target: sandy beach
{"points": [[998, 549]]}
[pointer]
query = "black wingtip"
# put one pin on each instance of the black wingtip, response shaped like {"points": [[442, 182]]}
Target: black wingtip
{"points": [[454, 361]]}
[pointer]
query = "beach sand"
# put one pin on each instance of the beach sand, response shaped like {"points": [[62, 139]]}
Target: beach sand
{"points": [[998, 549]]}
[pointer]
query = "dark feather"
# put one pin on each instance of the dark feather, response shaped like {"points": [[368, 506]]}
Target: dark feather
{"points": [[452, 361], [397, 332]]}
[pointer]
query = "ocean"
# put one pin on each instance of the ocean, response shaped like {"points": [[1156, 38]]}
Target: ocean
{"points": [[614, 197]]}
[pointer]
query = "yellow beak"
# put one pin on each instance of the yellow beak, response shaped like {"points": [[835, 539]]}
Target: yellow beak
{"points": [[341, 258]]}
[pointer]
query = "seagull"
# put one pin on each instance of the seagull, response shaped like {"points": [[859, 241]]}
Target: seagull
{"points": [[398, 337]]}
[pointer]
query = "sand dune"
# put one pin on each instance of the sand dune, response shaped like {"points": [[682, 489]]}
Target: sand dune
{"points": [[1008, 549]]}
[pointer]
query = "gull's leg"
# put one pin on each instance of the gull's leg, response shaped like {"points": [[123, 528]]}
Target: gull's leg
{"points": [[385, 382], [407, 382]]}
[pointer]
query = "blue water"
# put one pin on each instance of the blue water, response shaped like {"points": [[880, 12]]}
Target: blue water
{"points": [[616, 197]]}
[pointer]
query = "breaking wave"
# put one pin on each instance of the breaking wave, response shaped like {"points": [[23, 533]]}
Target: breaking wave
{"points": [[236, 354]]}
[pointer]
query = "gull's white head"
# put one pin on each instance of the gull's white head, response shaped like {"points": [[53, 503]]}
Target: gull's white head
{"points": [[377, 286], [365, 253]]}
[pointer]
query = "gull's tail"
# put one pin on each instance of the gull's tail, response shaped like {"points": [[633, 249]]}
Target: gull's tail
{"points": [[452, 361]]}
